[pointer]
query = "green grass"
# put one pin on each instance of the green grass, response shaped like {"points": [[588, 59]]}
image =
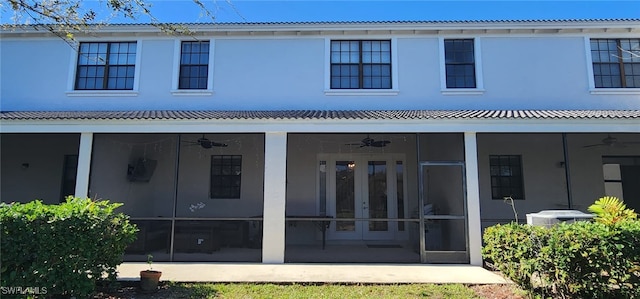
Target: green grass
{"points": [[342, 291]]}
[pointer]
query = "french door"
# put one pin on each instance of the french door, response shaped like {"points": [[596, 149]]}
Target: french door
{"points": [[365, 191]]}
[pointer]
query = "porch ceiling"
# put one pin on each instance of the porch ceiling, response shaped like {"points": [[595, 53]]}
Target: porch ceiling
{"points": [[319, 115]]}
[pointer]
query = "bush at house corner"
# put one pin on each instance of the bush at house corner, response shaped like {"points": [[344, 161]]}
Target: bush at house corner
{"points": [[599, 259], [65, 248]]}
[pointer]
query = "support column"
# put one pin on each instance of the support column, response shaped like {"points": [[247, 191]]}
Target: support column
{"points": [[473, 199], [275, 185], [84, 165]]}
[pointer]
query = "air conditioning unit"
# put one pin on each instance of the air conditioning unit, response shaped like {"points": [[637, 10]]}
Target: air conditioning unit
{"points": [[548, 218]]}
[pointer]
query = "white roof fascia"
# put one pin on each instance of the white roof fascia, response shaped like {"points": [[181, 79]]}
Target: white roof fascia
{"points": [[325, 126], [320, 27]]}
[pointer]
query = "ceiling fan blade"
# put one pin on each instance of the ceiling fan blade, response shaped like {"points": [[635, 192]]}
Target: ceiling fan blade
{"points": [[206, 143], [380, 143], [594, 145], [618, 144]]}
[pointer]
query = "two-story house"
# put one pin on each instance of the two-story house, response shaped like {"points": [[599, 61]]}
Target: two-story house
{"points": [[324, 142]]}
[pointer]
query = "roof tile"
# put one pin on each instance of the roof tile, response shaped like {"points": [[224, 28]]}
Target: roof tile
{"points": [[318, 114]]}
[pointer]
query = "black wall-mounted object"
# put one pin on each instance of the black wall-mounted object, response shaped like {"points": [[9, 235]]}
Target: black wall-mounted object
{"points": [[142, 170]]}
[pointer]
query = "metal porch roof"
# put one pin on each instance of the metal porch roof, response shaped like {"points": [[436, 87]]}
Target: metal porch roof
{"points": [[319, 115]]}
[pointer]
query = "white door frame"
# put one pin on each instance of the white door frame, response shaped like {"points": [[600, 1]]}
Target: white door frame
{"points": [[361, 194]]}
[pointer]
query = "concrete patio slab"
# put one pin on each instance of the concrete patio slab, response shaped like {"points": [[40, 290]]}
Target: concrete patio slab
{"points": [[307, 273]]}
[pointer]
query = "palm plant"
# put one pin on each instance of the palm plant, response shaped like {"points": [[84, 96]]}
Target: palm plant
{"points": [[610, 210]]}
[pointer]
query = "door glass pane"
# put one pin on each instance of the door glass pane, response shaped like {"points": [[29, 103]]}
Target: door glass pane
{"points": [[322, 174], [345, 196], [614, 189], [611, 172], [400, 193], [378, 208], [69, 176]]}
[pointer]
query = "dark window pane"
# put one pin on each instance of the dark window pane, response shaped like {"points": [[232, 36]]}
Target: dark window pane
{"points": [[631, 81], [111, 83], [506, 176], [335, 83], [345, 70], [128, 83], [226, 176], [345, 82], [366, 70], [386, 83], [367, 83]]}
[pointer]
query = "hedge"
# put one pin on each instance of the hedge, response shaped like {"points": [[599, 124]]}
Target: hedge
{"points": [[65, 249], [569, 260]]}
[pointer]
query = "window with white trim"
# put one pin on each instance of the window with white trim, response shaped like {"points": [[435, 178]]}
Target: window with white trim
{"points": [[616, 63], [360, 64], [460, 63], [194, 65], [106, 66]]}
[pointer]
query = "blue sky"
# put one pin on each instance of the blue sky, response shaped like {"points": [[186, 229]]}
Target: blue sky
{"points": [[379, 10], [375, 10]]}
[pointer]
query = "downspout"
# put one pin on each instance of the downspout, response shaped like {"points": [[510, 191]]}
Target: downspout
{"points": [[567, 172]]}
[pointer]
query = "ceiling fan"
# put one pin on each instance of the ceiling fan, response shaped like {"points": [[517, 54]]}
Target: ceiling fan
{"points": [[368, 141], [206, 143], [612, 142]]}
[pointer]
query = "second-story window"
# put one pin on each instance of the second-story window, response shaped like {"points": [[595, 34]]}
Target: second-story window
{"points": [[616, 63], [361, 64], [108, 65], [460, 63], [194, 65]]}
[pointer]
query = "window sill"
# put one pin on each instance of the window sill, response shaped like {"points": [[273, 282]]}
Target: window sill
{"points": [[462, 91], [361, 92], [102, 93], [192, 92], [615, 91]]}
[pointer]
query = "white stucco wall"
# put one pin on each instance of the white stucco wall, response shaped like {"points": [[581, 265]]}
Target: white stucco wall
{"points": [[519, 71]]}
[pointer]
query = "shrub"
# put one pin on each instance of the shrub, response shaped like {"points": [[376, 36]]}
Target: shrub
{"points": [[511, 249], [569, 260], [65, 248]]}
